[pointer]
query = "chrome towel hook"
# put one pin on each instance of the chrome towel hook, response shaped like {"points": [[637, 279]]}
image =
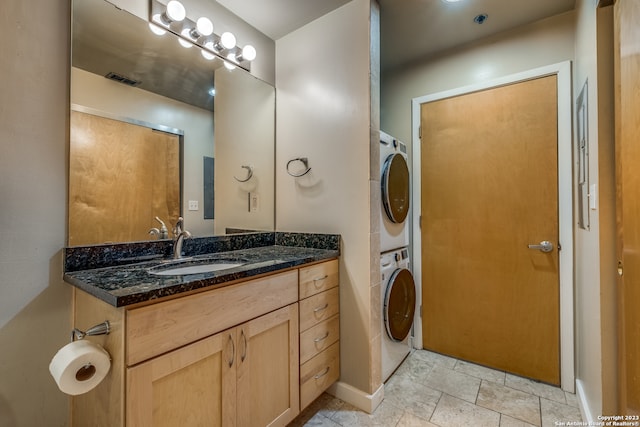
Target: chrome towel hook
{"points": [[304, 161], [249, 174]]}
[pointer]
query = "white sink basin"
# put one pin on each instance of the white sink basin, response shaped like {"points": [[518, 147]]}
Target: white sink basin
{"points": [[195, 269]]}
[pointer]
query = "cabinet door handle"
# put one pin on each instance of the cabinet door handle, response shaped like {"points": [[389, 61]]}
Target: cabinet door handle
{"points": [[244, 350], [324, 307], [322, 338], [325, 372], [320, 279], [233, 351]]}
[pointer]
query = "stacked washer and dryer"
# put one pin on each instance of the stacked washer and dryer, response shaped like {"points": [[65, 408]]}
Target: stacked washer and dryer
{"points": [[398, 289]]}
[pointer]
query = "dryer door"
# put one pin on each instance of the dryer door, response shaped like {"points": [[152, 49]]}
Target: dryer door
{"points": [[395, 187], [399, 304]]}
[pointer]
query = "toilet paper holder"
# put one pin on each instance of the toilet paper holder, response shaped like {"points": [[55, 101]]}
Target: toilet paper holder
{"points": [[100, 329]]}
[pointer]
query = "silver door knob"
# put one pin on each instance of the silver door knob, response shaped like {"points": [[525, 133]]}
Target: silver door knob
{"points": [[544, 246]]}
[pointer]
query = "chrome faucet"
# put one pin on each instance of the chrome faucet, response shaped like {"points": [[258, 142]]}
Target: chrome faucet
{"points": [[178, 238], [162, 232]]}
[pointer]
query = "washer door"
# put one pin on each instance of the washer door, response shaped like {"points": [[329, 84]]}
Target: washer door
{"points": [[395, 187], [399, 304]]}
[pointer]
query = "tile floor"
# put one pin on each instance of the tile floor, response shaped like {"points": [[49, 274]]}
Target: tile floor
{"points": [[431, 390]]}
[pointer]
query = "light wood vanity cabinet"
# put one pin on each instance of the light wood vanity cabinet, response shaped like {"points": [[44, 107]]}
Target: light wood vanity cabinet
{"points": [[225, 357], [319, 330], [245, 376]]}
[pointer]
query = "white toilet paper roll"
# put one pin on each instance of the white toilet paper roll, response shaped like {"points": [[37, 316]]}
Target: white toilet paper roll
{"points": [[79, 366]]}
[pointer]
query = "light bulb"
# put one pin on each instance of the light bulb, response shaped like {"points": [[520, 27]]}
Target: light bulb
{"points": [[183, 42], [228, 65], [175, 11], [204, 26], [249, 53], [155, 29], [205, 54], [212, 91], [228, 40]]}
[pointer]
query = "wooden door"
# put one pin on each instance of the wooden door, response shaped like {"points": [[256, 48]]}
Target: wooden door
{"points": [[191, 386], [627, 62], [268, 369], [121, 176], [489, 189]]}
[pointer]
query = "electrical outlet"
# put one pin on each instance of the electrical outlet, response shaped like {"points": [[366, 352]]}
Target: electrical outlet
{"points": [[254, 202], [193, 205]]}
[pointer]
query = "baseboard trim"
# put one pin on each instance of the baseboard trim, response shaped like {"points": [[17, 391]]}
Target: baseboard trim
{"points": [[585, 409], [356, 397]]}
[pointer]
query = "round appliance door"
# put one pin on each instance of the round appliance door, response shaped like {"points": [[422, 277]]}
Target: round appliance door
{"points": [[399, 304], [395, 187]]}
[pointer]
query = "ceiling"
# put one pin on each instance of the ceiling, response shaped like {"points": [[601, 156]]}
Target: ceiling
{"points": [[410, 29]]}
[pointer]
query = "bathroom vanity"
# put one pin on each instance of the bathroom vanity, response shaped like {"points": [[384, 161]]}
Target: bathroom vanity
{"points": [[248, 345]]}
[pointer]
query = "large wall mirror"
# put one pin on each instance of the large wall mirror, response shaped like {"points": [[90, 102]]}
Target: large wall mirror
{"points": [[158, 130]]}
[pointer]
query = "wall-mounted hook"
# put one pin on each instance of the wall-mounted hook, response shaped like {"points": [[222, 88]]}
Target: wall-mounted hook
{"points": [[249, 174], [304, 161]]}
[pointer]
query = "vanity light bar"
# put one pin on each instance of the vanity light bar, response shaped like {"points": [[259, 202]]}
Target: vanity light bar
{"points": [[172, 17]]}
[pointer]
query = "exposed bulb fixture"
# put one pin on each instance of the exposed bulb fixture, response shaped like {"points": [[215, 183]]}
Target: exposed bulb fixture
{"points": [[172, 18], [204, 28], [212, 91], [248, 54], [175, 12]]}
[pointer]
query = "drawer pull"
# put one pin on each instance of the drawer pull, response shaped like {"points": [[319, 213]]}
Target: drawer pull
{"points": [[324, 307], [233, 351], [322, 338], [325, 372], [319, 279]]}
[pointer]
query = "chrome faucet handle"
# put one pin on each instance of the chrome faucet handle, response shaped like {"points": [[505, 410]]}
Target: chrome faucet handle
{"points": [[163, 233], [177, 230]]}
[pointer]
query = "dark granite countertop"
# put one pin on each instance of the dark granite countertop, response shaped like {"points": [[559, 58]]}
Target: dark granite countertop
{"points": [[133, 283], [119, 273]]}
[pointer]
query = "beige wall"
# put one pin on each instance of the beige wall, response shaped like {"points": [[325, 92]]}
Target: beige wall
{"points": [[542, 43], [34, 302], [244, 135], [595, 248], [323, 113]]}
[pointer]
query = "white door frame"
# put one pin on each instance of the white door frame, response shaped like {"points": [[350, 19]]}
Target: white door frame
{"points": [[565, 201]]}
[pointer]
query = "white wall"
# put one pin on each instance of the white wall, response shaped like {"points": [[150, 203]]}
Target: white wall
{"points": [[35, 310], [595, 270], [323, 113], [96, 92]]}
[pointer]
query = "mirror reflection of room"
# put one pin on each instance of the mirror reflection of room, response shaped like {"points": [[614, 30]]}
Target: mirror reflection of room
{"points": [[122, 72], [140, 177]]}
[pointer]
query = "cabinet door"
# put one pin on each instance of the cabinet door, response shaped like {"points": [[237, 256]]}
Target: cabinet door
{"points": [[268, 375], [192, 386]]}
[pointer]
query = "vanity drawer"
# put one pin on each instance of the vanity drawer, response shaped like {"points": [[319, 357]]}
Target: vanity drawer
{"points": [[318, 278], [162, 327], [319, 337], [318, 374], [319, 307]]}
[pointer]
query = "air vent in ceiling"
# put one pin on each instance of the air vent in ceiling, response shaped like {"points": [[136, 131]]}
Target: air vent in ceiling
{"points": [[122, 79]]}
